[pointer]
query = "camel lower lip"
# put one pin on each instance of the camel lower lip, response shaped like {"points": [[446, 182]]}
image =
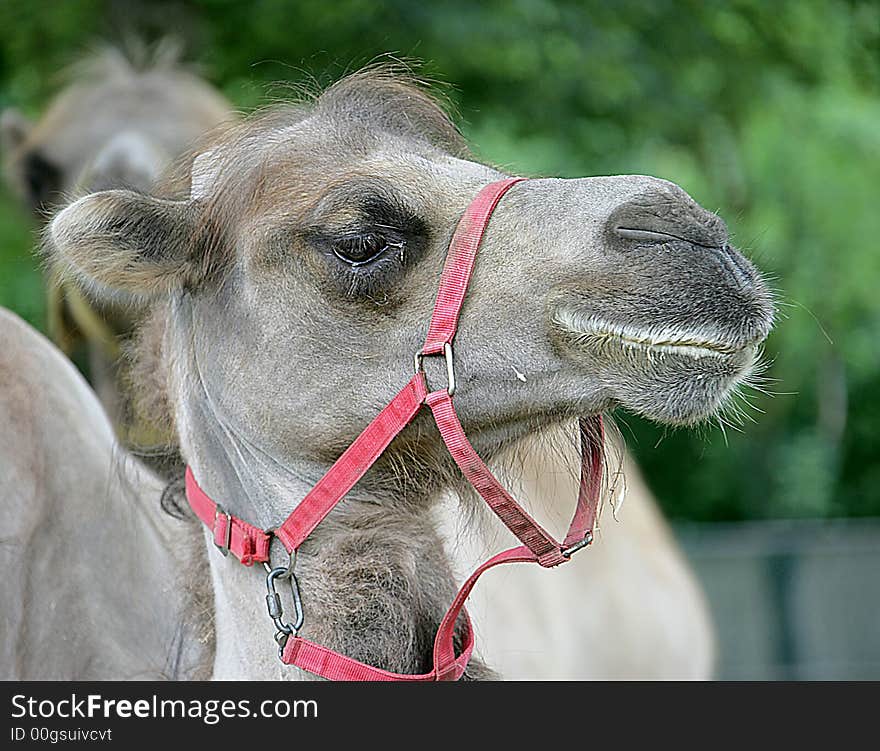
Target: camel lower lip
{"points": [[666, 340]]}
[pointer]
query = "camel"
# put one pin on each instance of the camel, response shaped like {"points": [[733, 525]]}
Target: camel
{"points": [[122, 119], [292, 275], [92, 588]]}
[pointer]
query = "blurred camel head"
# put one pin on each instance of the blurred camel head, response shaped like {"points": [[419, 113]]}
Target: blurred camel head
{"points": [[119, 123], [293, 276]]}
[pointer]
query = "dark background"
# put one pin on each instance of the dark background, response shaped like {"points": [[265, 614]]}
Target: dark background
{"points": [[767, 112]]}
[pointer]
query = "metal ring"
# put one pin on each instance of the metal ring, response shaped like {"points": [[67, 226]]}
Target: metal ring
{"points": [[419, 363], [291, 556]]}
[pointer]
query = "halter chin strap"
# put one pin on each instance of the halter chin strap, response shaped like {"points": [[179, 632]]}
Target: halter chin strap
{"points": [[251, 545]]}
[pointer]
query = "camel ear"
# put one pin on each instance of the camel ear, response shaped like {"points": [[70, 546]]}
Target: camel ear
{"points": [[14, 129], [118, 240]]}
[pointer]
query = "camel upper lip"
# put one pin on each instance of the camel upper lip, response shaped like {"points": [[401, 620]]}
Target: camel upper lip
{"points": [[668, 339]]}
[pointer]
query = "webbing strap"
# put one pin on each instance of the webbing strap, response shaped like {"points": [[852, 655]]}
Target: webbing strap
{"points": [[246, 542], [459, 264], [592, 438], [447, 665], [354, 462], [545, 549]]}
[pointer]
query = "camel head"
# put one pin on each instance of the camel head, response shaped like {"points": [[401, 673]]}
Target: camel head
{"points": [[300, 264]]}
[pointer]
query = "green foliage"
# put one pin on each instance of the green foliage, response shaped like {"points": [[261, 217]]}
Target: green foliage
{"points": [[21, 285], [767, 112]]}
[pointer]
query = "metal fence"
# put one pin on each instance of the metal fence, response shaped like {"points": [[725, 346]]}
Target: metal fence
{"points": [[791, 600]]}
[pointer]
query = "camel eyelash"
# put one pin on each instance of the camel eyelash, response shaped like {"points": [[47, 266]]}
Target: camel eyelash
{"points": [[363, 249]]}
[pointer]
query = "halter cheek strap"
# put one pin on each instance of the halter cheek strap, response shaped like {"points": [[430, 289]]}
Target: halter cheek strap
{"points": [[251, 545]]}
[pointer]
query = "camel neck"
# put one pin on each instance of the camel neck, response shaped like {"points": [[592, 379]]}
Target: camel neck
{"points": [[248, 480], [376, 551]]}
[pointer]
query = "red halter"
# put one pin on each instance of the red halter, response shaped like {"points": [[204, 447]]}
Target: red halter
{"points": [[250, 544]]}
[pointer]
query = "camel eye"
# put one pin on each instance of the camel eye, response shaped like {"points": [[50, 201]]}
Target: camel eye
{"points": [[360, 250]]}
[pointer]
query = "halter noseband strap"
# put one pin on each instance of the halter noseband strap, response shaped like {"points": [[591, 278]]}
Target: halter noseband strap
{"points": [[251, 545]]}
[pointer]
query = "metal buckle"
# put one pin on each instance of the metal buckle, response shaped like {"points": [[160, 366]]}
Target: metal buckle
{"points": [[220, 511], [419, 362], [570, 551], [283, 631]]}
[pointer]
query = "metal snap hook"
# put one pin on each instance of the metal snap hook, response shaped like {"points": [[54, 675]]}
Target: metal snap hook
{"points": [[283, 630]]}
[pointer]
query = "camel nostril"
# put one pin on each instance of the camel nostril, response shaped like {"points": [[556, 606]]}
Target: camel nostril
{"points": [[666, 216], [692, 238], [645, 235], [740, 269]]}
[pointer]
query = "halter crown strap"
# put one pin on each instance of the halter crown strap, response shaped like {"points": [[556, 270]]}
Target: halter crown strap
{"points": [[250, 544]]}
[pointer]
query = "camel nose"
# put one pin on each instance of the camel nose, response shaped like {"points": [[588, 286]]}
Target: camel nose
{"points": [[129, 160], [672, 221]]}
